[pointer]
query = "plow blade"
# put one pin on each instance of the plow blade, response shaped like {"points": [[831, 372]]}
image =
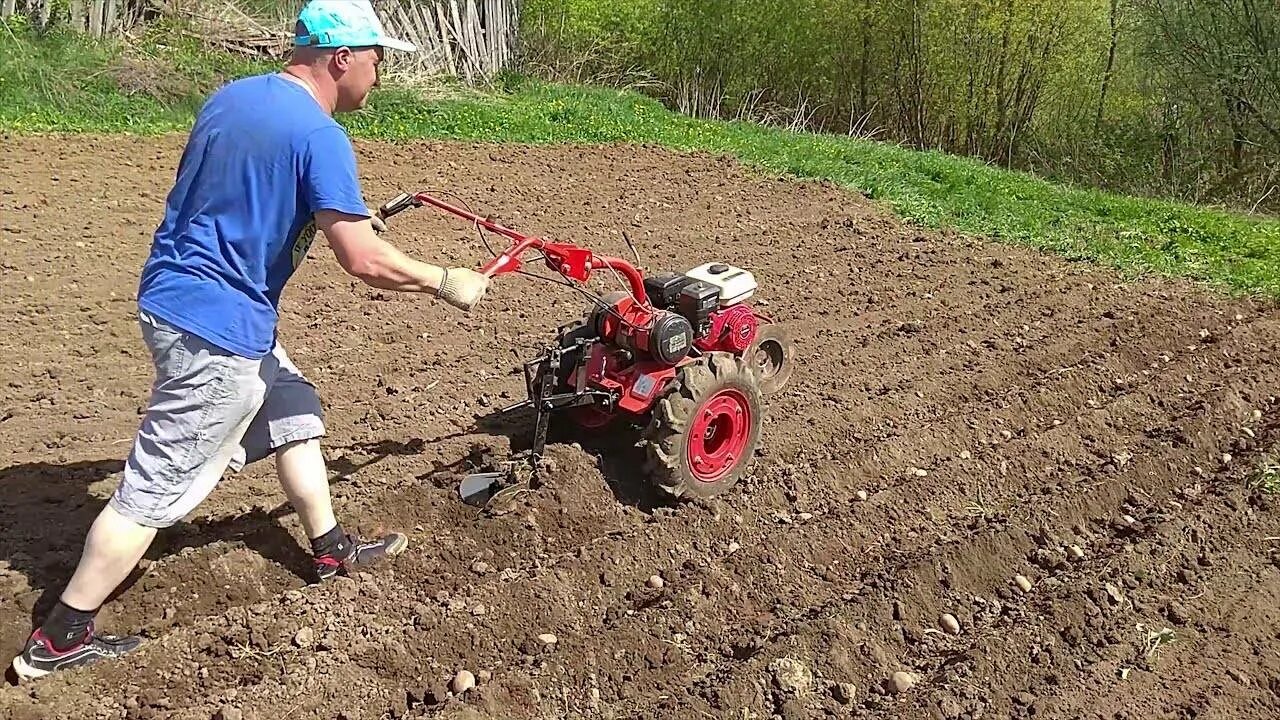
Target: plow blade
{"points": [[478, 489]]}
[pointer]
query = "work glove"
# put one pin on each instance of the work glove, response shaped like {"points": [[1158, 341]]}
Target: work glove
{"points": [[379, 225], [463, 288]]}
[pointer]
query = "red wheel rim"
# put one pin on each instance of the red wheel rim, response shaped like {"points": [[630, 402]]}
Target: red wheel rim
{"points": [[718, 435]]}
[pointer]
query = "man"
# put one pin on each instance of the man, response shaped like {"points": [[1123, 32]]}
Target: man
{"points": [[265, 167]]}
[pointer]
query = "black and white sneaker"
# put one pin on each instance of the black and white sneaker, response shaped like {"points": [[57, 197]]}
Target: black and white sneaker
{"points": [[363, 553], [40, 658]]}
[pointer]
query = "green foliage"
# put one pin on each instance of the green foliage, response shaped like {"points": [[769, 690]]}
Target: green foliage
{"points": [[1017, 82], [58, 80], [586, 40], [1266, 476], [69, 88], [1220, 83]]}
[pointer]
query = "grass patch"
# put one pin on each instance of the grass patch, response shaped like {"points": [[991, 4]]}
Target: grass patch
{"points": [[64, 83], [1266, 477], [61, 82]]}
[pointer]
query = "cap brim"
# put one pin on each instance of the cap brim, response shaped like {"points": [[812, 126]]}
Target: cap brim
{"points": [[400, 45]]}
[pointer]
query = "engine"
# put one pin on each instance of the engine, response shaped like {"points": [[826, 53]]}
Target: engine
{"points": [[640, 348], [701, 309], [663, 335]]}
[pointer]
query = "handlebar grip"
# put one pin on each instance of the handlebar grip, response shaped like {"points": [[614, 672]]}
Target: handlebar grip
{"points": [[396, 205]]}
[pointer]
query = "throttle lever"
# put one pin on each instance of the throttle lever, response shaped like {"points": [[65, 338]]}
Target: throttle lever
{"points": [[396, 205]]}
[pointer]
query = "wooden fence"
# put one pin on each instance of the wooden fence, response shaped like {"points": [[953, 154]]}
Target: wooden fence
{"points": [[473, 39], [99, 18], [470, 39]]}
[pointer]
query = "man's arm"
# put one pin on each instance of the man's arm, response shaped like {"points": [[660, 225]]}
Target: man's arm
{"points": [[375, 261], [333, 194], [380, 264]]}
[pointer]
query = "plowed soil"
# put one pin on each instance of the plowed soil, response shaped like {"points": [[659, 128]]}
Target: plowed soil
{"points": [[963, 413]]}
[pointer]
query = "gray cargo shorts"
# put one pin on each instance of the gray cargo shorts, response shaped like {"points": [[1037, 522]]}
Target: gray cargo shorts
{"points": [[209, 410]]}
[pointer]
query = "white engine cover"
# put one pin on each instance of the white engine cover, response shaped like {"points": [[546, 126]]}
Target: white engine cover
{"points": [[736, 285]]}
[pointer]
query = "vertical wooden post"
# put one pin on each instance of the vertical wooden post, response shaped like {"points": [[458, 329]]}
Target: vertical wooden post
{"points": [[8, 8], [489, 38], [460, 35], [443, 24], [112, 17], [432, 41], [76, 21], [471, 21], [95, 18], [512, 37]]}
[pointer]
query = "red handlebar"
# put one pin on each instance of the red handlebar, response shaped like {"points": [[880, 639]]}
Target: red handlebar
{"points": [[570, 261]]}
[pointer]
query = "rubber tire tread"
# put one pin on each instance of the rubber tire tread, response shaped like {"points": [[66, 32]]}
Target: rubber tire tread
{"points": [[665, 435]]}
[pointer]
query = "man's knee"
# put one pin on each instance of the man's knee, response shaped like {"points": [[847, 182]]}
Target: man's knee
{"points": [[185, 444], [150, 517], [291, 414]]}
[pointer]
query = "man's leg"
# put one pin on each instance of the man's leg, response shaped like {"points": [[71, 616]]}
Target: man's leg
{"points": [[305, 480], [113, 549], [290, 425], [201, 405]]}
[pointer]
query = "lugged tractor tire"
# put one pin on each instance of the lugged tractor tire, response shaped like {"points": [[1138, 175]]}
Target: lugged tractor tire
{"points": [[703, 433]]}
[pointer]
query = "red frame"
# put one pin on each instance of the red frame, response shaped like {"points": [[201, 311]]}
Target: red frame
{"points": [[570, 261], [634, 396]]}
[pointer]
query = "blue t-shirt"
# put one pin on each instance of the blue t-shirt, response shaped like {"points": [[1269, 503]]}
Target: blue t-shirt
{"points": [[262, 159]]}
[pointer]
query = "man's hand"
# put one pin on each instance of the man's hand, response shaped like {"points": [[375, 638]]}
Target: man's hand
{"points": [[379, 225], [463, 288]]}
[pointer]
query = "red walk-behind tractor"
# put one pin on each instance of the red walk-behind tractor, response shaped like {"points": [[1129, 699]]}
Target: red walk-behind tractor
{"points": [[681, 355]]}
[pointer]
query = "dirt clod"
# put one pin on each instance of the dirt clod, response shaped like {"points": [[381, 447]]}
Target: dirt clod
{"points": [[844, 693], [901, 682], [462, 682], [791, 675], [304, 638], [1177, 613]]}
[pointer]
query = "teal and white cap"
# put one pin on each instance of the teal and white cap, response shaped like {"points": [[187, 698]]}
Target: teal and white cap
{"points": [[345, 23]]}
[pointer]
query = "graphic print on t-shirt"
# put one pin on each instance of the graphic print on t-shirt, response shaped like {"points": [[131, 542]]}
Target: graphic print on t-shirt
{"points": [[302, 243]]}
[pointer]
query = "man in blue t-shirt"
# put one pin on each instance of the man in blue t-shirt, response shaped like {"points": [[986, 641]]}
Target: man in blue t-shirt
{"points": [[266, 167]]}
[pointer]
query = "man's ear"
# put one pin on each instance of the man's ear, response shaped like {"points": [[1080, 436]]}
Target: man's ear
{"points": [[343, 57]]}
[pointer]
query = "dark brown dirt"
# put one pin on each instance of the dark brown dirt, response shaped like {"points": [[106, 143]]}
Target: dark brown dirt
{"points": [[1007, 413]]}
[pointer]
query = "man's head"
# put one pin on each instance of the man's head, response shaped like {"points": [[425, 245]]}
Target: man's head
{"points": [[340, 43]]}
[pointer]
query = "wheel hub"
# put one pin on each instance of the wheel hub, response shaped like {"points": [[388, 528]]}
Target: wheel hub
{"points": [[719, 434], [769, 358]]}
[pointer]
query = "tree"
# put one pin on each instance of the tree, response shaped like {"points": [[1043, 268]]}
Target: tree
{"points": [[1221, 57]]}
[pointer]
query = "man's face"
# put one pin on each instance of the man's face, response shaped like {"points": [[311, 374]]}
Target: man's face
{"points": [[358, 76]]}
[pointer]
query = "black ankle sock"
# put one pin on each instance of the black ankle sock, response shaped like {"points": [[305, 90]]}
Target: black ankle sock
{"points": [[332, 544], [67, 627]]}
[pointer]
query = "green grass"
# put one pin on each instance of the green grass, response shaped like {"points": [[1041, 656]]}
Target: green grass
{"points": [[1266, 476], [60, 83]]}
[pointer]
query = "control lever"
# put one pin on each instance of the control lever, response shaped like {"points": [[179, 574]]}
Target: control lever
{"points": [[397, 205]]}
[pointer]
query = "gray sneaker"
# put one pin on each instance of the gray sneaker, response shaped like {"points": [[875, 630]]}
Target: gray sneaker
{"points": [[40, 658], [363, 552]]}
